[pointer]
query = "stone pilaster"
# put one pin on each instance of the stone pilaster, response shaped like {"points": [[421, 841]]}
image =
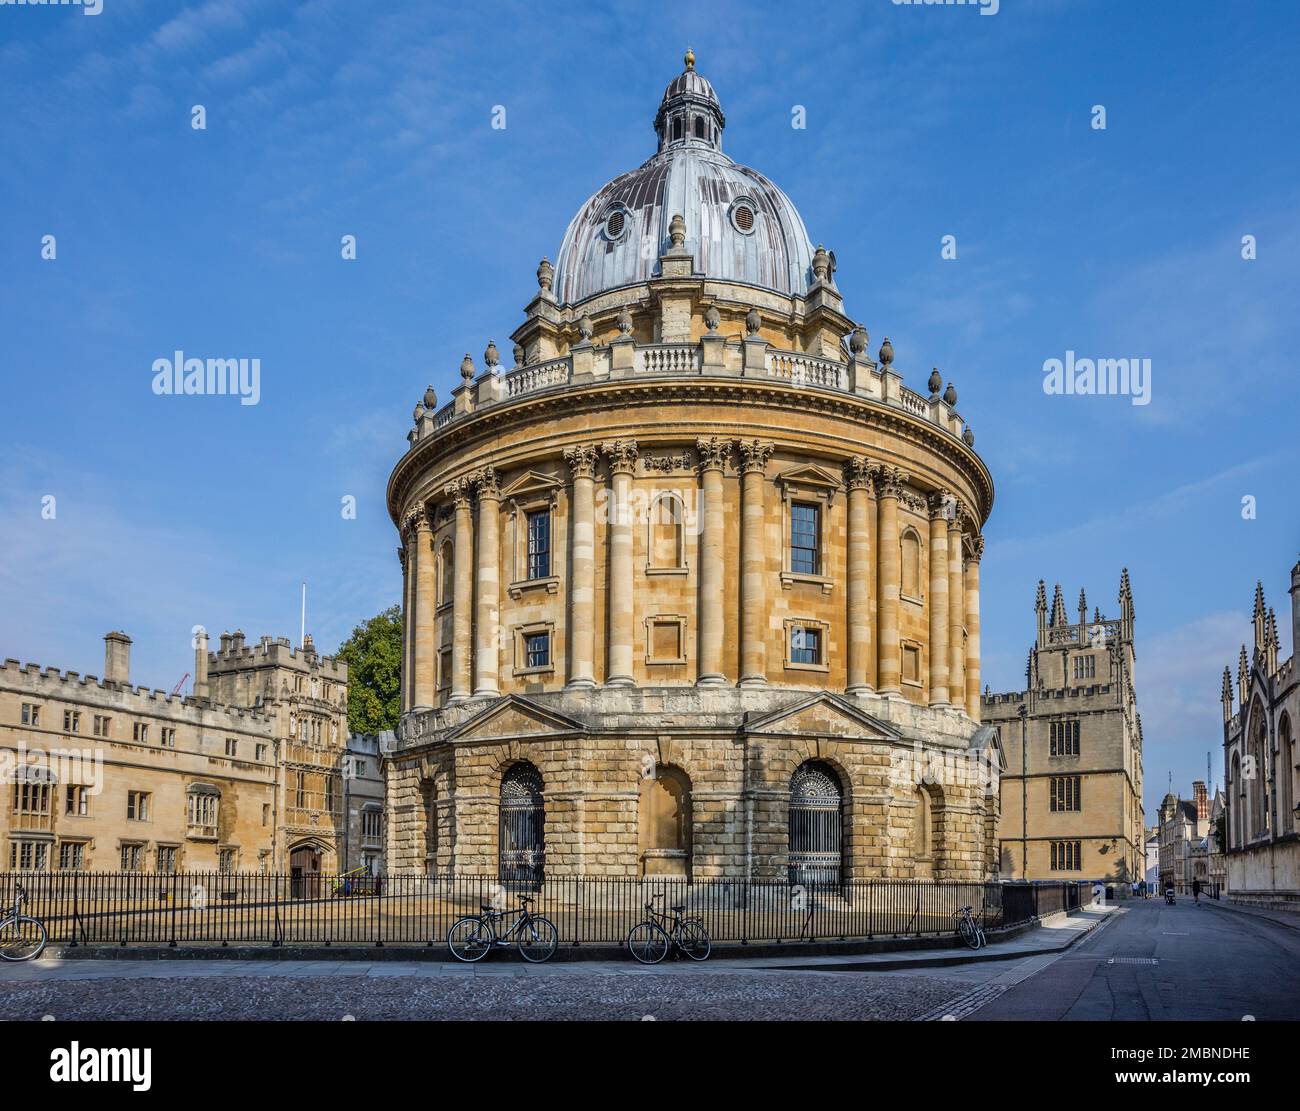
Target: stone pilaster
{"points": [[582, 590], [859, 477], [956, 610], [462, 620], [622, 456], [423, 664], [888, 654], [406, 557], [939, 504], [973, 627], [754, 455], [714, 455], [487, 632]]}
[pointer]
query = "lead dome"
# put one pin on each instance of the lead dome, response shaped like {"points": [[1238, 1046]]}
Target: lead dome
{"points": [[740, 227]]}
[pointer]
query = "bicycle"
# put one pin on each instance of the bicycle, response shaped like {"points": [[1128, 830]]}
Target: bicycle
{"points": [[970, 931], [22, 937], [472, 937], [650, 941]]}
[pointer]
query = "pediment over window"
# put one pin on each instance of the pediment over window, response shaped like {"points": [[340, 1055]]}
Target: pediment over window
{"points": [[532, 486], [513, 716], [810, 476], [825, 715]]}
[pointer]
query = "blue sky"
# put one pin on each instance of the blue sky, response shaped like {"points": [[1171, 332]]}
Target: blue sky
{"points": [[332, 117]]}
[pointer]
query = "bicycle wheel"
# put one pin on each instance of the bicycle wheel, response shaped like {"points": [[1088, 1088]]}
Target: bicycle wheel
{"points": [[979, 933], [469, 939], [21, 939], [538, 940], [694, 940], [966, 928], [648, 943]]}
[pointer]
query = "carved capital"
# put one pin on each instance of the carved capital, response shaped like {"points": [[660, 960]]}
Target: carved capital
{"points": [[975, 549], [622, 456], [459, 492], [889, 481], [486, 483], [754, 455], [582, 460], [940, 503], [401, 556], [958, 516], [715, 454], [415, 521], [860, 473]]}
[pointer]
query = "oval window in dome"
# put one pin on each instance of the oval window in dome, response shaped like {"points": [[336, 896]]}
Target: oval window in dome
{"points": [[743, 217], [615, 223]]}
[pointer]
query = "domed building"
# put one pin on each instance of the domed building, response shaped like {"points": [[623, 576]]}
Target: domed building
{"points": [[691, 589]]}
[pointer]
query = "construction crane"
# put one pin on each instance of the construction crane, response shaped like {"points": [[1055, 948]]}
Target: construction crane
{"points": [[177, 687]]}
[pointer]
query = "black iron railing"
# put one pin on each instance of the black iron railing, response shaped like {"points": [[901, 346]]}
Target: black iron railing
{"points": [[208, 908]]}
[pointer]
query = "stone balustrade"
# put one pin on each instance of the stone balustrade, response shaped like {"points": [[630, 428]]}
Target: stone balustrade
{"points": [[713, 357]]}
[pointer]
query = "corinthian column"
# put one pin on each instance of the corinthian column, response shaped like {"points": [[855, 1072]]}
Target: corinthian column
{"points": [[940, 500], [973, 628], [622, 456], [859, 477], [422, 672], [714, 454], [462, 621], [754, 455], [582, 587], [956, 609], [890, 665], [487, 647], [406, 557]]}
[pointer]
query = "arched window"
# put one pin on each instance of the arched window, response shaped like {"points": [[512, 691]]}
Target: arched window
{"points": [[667, 548], [1256, 775], [699, 127], [911, 557], [816, 824], [677, 128], [521, 846], [1285, 777], [922, 832], [447, 578], [1236, 802], [664, 823]]}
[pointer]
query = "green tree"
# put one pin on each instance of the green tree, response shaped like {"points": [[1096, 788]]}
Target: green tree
{"points": [[373, 654]]}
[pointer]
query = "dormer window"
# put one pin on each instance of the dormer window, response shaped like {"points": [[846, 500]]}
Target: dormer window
{"points": [[742, 216]]}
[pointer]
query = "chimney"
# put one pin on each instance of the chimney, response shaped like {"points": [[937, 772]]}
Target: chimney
{"points": [[201, 664], [117, 658], [1202, 799]]}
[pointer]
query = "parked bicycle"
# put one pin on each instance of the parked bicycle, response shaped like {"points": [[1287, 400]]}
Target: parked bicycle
{"points": [[968, 927], [471, 938], [650, 941], [22, 937]]}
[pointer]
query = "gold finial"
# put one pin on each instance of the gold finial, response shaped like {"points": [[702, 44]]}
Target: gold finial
{"points": [[690, 58]]}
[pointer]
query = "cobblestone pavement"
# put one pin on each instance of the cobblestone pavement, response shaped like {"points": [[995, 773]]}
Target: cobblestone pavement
{"points": [[427, 992]]}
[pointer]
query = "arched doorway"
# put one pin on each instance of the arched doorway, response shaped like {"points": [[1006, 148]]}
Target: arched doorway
{"points": [[816, 825], [522, 827], [664, 823], [304, 872]]}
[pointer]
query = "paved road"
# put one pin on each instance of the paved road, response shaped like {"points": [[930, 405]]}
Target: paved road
{"points": [[1196, 963]]}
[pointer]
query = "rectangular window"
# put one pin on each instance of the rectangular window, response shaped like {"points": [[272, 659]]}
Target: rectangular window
{"points": [[29, 856], [167, 737], [137, 806], [226, 861], [77, 801], [31, 714], [370, 824], [140, 732], [1066, 856], [72, 721], [444, 668], [166, 859], [1085, 667], [1065, 792], [232, 746], [805, 538], [805, 645], [72, 856], [132, 857], [300, 791], [537, 650], [102, 725], [1063, 738], [539, 544], [32, 798]]}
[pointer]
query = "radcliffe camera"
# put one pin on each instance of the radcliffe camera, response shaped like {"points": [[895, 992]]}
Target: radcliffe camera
{"points": [[600, 516]]}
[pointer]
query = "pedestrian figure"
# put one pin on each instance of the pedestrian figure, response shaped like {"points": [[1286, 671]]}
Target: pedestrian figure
{"points": [[1196, 892]]}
